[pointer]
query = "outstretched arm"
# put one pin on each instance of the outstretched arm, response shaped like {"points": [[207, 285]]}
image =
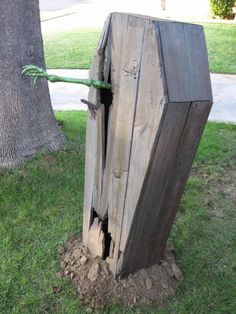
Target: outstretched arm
{"points": [[36, 72]]}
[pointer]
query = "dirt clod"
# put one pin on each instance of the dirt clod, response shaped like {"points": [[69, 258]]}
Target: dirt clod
{"points": [[96, 286], [177, 272], [83, 260], [148, 283], [93, 272]]}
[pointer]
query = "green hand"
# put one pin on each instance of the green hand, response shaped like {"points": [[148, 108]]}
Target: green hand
{"points": [[36, 72]]}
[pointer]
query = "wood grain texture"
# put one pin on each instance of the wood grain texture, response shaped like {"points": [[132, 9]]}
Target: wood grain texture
{"points": [[117, 40], [140, 243], [91, 157], [150, 106], [184, 156], [164, 184], [96, 238], [95, 155], [140, 149], [185, 60], [124, 99]]}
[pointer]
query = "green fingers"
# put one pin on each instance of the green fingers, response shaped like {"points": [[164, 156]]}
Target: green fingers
{"points": [[36, 72]]}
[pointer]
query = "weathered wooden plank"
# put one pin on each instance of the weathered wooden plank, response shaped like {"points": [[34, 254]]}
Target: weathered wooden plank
{"points": [[151, 100], [104, 36], [91, 157], [115, 215], [117, 41], [184, 156], [94, 160], [162, 202], [106, 100], [96, 238], [104, 54], [107, 59], [90, 162], [124, 98], [138, 250], [185, 60], [100, 153]]}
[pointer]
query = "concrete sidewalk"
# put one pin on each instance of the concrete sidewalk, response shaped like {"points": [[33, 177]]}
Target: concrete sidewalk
{"points": [[66, 96], [224, 97]]}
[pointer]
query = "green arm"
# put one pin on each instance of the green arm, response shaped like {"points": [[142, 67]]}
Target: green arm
{"points": [[36, 72]]}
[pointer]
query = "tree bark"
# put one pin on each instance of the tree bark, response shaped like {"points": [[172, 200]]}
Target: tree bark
{"points": [[27, 123]]}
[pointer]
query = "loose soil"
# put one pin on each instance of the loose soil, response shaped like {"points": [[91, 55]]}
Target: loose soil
{"points": [[97, 288]]}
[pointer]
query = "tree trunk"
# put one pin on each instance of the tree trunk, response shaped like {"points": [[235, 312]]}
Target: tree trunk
{"points": [[27, 123]]}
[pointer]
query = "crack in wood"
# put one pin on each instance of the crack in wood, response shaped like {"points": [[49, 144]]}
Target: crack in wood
{"points": [[140, 147]]}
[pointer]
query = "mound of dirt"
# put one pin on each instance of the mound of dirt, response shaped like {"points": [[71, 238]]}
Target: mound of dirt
{"points": [[97, 288]]}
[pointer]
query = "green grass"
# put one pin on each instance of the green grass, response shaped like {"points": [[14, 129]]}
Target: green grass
{"points": [[71, 50], [221, 45], [41, 208], [75, 49]]}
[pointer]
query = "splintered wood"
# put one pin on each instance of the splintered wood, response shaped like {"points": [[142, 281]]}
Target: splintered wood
{"points": [[141, 144]]}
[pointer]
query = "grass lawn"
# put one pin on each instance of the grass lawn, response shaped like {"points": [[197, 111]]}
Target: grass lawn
{"points": [[41, 208], [75, 49], [221, 44], [72, 50]]}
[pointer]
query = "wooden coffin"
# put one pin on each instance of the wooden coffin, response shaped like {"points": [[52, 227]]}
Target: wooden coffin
{"points": [[141, 144]]}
